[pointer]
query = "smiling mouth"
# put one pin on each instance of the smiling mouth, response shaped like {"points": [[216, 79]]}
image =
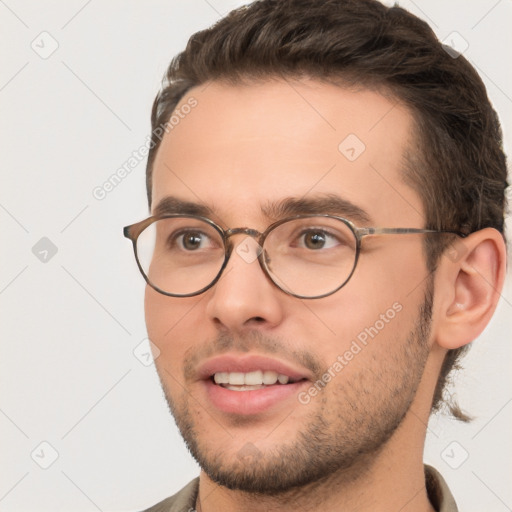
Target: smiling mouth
{"points": [[250, 381]]}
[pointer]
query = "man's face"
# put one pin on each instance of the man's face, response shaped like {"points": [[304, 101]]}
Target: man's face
{"points": [[239, 150]]}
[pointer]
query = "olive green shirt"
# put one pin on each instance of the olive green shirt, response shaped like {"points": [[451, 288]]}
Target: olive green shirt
{"points": [[438, 493]]}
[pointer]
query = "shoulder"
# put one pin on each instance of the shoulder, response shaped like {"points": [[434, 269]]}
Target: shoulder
{"points": [[183, 501]]}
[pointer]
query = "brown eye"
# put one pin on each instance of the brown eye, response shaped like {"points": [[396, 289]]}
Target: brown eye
{"points": [[314, 240], [192, 240], [189, 241]]}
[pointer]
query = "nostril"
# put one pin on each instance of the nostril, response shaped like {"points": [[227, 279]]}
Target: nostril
{"points": [[255, 320]]}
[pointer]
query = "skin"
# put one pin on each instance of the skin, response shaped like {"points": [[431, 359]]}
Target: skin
{"points": [[363, 434]]}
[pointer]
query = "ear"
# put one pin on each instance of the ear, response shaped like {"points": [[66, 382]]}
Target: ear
{"points": [[469, 280]]}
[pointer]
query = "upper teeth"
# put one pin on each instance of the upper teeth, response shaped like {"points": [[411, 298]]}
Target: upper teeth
{"points": [[267, 377]]}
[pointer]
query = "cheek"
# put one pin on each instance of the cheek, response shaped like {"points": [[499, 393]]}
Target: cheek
{"points": [[175, 326], [155, 310], [375, 308], [392, 270], [164, 317]]}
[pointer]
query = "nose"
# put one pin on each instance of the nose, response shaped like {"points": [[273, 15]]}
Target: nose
{"points": [[244, 297]]}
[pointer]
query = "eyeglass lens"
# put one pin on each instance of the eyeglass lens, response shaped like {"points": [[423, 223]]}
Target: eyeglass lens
{"points": [[307, 257]]}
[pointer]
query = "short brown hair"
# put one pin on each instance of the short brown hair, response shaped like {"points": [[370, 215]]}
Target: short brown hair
{"points": [[458, 166]]}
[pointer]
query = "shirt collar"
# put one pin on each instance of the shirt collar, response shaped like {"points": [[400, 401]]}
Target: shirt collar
{"points": [[438, 492]]}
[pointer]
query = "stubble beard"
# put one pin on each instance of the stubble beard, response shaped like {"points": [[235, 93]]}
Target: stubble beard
{"points": [[339, 438]]}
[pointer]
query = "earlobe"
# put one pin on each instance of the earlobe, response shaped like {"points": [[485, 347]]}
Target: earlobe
{"points": [[471, 287]]}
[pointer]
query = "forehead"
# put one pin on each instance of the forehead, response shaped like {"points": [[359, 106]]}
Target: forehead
{"points": [[241, 147]]}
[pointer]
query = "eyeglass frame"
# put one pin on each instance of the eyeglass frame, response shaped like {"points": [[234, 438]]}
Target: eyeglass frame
{"points": [[133, 231]]}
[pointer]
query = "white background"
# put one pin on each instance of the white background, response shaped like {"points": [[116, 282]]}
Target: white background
{"points": [[69, 325]]}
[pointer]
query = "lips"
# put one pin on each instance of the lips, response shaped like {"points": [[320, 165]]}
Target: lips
{"points": [[250, 384]]}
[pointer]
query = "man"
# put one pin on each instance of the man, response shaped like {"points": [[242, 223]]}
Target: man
{"points": [[326, 184]]}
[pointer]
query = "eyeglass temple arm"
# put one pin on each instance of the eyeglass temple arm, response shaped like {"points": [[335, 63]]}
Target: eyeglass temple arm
{"points": [[360, 232], [134, 230]]}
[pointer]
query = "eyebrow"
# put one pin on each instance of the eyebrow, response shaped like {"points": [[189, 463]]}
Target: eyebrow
{"points": [[274, 210], [330, 203], [171, 205]]}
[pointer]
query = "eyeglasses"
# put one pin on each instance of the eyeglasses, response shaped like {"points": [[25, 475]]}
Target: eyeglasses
{"points": [[307, 256]]}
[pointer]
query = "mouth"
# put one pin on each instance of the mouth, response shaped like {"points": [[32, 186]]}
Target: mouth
{"points": [[251, 384], [251, 381]]}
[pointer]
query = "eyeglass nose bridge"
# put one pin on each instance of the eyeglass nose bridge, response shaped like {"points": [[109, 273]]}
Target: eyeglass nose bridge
{"points": [[253, 233]]}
